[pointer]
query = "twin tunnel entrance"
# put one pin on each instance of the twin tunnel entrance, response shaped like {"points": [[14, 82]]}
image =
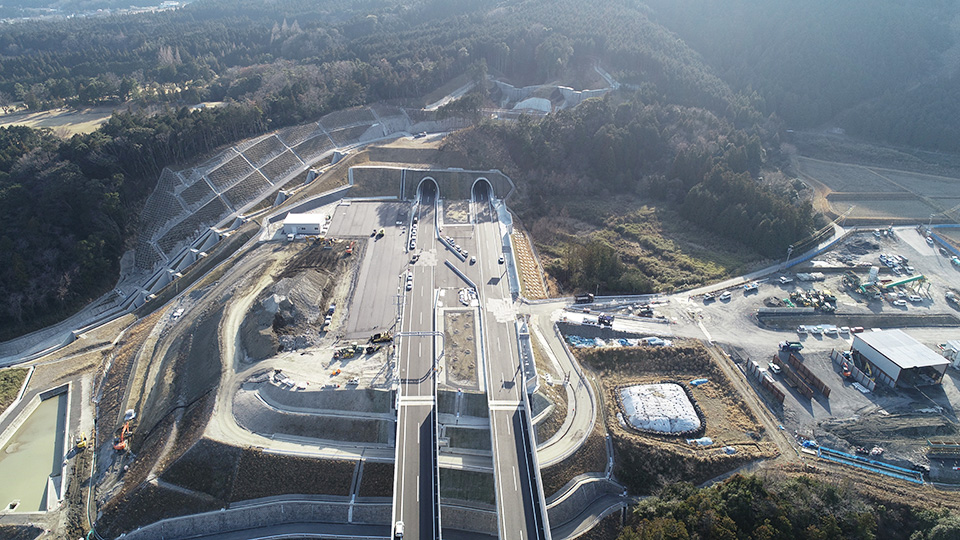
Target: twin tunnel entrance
{"points": [[428, 190]]}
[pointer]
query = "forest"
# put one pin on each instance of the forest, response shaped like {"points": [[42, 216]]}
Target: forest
{"points": [[775, 507], [704, 102]]}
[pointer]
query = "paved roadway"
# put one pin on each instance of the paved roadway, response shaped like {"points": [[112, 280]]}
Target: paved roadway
{"points": [[514, 475], [373, 306], [414, 493]]}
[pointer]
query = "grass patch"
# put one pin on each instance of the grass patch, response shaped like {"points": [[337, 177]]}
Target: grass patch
{"points": [[10, 382], [208, 466], [467, 486], [265, 475], [591, 457], [376, 480], [653, 240], [555, 394], [469, 438]]}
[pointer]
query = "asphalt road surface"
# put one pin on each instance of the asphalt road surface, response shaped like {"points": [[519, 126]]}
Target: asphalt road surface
{"points": [[514, 475], [415, 487], [373, 307]]}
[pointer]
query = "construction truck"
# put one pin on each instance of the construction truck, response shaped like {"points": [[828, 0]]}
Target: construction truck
{"points": [[605, 320], [583, 299], [793, 346]]}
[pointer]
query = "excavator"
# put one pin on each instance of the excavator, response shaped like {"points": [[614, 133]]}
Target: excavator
{"points": [[120, 443]]}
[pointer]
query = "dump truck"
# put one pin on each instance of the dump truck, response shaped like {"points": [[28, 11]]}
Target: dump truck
{"points": [[793, 346], [583, 299]]}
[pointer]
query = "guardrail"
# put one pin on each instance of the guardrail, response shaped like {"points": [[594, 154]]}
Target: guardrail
{"points": [[541, 521]]}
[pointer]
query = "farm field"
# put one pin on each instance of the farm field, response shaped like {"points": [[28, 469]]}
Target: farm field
{"points": [[845, 178], [935, 187], [878, 209]]}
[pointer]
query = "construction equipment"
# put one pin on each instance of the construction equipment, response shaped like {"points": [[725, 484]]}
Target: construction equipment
{"points": [[80, 442], [121, 443], [385, 337], [349, 250], [892, 284]]}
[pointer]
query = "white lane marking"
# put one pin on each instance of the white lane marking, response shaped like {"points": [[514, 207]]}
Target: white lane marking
{"points": [[420, 348], [516, 486], [418, 486], [421, 317], [499, 348]]}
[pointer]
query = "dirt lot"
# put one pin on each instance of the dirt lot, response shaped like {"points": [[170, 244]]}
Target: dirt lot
{"points": [[647, 461], [460, 347]]}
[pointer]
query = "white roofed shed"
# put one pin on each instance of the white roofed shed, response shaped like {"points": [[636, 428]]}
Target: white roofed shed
{"points": [[302, 223], [900, 359]]}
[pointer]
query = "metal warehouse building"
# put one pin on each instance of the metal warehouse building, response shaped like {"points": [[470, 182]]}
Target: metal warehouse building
{"points": [[302, 223], [898, 360]]}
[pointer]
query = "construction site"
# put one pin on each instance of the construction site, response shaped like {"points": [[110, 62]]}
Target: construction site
{"points": [[362, 338]]}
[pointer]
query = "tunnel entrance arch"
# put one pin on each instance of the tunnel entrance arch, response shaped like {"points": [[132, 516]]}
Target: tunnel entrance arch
{"points": [[427, 190], [482, 190]]}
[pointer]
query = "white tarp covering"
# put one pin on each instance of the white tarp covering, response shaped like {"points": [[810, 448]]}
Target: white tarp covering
{"points": [[659, 407]]}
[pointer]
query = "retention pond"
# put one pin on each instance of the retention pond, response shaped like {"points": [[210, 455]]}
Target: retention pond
{"points": [[31, 461]]}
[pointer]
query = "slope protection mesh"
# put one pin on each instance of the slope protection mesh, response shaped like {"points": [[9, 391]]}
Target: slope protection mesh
{"points": [[314, 147], [229, 173], [347, 117], [246, 190], [264, 151], [280, 166]]}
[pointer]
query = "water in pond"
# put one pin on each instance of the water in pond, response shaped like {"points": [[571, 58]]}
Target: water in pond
{"points": [[32, 455]]}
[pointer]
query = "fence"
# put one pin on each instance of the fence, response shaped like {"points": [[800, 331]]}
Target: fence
{"points": [[808, 376], [792, 378], [766, 382]]}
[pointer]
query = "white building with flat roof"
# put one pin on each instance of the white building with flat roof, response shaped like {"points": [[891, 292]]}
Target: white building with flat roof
{"points": [[303, 223], [898, 360]]}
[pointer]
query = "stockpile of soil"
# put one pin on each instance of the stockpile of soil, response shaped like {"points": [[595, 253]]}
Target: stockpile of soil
{"points": [[289, 314]]}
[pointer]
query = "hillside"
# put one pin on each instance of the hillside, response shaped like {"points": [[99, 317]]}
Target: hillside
{"points": [[884, 70], [275, 66]]}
